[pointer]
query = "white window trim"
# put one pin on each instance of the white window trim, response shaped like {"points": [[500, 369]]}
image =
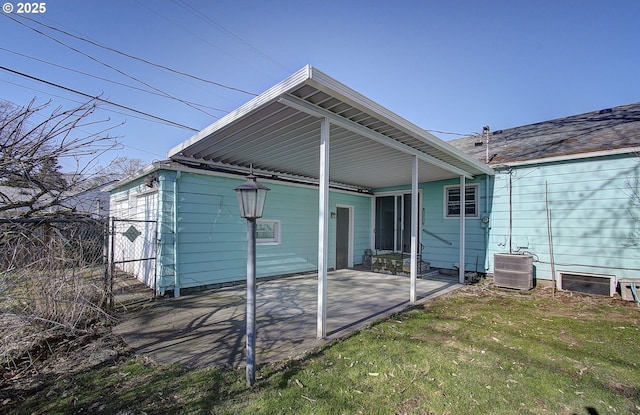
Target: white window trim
{"points": [[445, 199], [278, 233]]}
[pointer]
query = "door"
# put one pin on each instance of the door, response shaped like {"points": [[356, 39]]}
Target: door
{"points": [[343, 226], [393, 223]]}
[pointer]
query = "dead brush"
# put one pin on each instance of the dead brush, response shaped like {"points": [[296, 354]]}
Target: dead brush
{"points": [[50, 290]]}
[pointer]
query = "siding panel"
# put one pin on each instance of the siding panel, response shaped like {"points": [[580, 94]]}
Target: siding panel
{"points": [[592, 212], [211, 235]]}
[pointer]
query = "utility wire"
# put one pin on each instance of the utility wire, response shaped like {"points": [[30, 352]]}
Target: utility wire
{"points": [[105, 79], [97, 98], [123, 145], [233, 35], [107, 65], [112, 110], [445, 132], [157, 65]]}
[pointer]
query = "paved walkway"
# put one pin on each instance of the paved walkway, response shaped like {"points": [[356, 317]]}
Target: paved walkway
{"points": [[208, 328]]}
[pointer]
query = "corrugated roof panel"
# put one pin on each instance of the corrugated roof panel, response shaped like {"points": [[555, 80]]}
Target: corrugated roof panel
{"points": [[280, 138]]}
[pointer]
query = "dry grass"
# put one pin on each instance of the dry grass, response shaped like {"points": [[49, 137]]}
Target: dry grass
{"points": [[479, 350]]}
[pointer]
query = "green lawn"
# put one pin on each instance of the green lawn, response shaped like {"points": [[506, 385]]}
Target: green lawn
{"points": [[476, 351]]}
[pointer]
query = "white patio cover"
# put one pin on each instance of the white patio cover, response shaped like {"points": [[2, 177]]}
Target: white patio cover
{"points": [[313, 128]]}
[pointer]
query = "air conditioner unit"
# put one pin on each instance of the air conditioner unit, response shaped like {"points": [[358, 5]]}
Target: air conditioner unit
{"points": [[513, 271]]}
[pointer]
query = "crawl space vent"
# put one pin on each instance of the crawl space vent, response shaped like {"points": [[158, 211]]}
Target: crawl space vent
{"points": [[587, 283]]}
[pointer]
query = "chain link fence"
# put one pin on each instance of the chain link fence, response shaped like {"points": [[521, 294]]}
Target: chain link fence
{"points": [[61, 276], [53, 269], [52, 280]]}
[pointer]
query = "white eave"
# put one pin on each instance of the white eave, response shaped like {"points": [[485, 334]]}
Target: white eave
{"points": [[279, 132]]}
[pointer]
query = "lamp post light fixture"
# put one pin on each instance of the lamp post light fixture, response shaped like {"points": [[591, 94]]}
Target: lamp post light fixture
{"points": [[251, 196]]}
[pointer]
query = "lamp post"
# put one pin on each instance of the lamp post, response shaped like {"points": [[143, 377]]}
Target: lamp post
{"points": [[251, 196]]}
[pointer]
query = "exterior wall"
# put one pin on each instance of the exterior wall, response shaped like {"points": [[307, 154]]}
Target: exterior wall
{"points": [[134, 207], [441, 242], [439, 253], [594, 215], [211, 237], [165, 263]]}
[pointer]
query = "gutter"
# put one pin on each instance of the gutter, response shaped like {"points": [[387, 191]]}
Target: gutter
{"points": [[569, 157]]}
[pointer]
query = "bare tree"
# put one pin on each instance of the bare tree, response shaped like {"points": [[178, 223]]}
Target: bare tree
{"points": [[34, 139], [119, 168]]}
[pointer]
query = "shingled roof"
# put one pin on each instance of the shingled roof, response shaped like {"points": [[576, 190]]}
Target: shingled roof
{"points": [[609, 130]]}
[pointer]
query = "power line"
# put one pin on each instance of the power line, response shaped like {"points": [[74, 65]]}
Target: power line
{"points": [[112, 110], [105, 79], [233, 35], [157, 65], [445, 132], [97, 98], [107, 65]]}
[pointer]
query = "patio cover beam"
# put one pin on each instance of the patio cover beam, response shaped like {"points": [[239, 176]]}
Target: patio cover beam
{"points": [[306, 107]]}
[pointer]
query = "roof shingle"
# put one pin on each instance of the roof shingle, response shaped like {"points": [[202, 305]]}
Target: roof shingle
{"points": [[608, 129]]}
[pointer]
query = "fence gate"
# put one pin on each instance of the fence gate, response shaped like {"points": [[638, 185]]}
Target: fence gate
{"points": [[133, 249]]}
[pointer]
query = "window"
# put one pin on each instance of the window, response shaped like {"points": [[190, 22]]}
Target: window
{"points": [[452, 201], [267, 232]]}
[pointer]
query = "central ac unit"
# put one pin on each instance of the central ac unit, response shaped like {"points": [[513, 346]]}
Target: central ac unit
{"points": [[513, 271]]}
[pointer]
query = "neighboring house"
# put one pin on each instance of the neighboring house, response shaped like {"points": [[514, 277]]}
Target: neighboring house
{"points": [[93, 202], [10, 194], [349, 176], [583, 171]]}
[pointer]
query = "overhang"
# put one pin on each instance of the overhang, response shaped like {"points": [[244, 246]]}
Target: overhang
{"points": [[278, 132]]}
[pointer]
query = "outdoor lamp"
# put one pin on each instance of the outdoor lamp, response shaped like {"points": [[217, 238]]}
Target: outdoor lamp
{"points": [[251, 197]]}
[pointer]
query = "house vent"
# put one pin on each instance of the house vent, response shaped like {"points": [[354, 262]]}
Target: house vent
{"points": [[586, 283], [513, 271]]}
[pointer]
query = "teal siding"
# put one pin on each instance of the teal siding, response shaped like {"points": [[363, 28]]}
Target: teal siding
{"points": [[439, 253], [434, 248], [211, 237], [595, 222], [593, 215], [165, 263]]}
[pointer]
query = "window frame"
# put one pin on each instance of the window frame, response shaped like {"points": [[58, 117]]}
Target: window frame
{"points": [[476, 202], [277, 238]]}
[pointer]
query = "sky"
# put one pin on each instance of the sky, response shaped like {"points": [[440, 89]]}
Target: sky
{"points": [[449, 67]]}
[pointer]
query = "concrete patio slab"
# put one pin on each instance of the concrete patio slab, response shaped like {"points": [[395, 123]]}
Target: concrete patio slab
{"points": [[208, 328]]}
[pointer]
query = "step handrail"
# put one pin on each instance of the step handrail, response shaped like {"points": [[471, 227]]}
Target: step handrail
{"points": [[441, 239]]}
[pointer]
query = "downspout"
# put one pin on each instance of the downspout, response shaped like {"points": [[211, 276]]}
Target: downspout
{"points": [[487, 228], [486, 204], [463, 219], [510, 210], [176, 278]]}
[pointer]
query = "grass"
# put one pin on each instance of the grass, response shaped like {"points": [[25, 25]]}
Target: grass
{"points": [[477, 351]]}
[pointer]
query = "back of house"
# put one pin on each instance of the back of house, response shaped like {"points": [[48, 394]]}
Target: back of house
{"points": [[567, 193]]}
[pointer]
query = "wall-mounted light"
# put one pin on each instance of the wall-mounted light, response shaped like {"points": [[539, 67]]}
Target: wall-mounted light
{"points": [[150, 179]]}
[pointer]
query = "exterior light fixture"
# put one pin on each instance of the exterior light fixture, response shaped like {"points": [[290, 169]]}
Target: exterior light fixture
{"points": [[251, 197]]}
